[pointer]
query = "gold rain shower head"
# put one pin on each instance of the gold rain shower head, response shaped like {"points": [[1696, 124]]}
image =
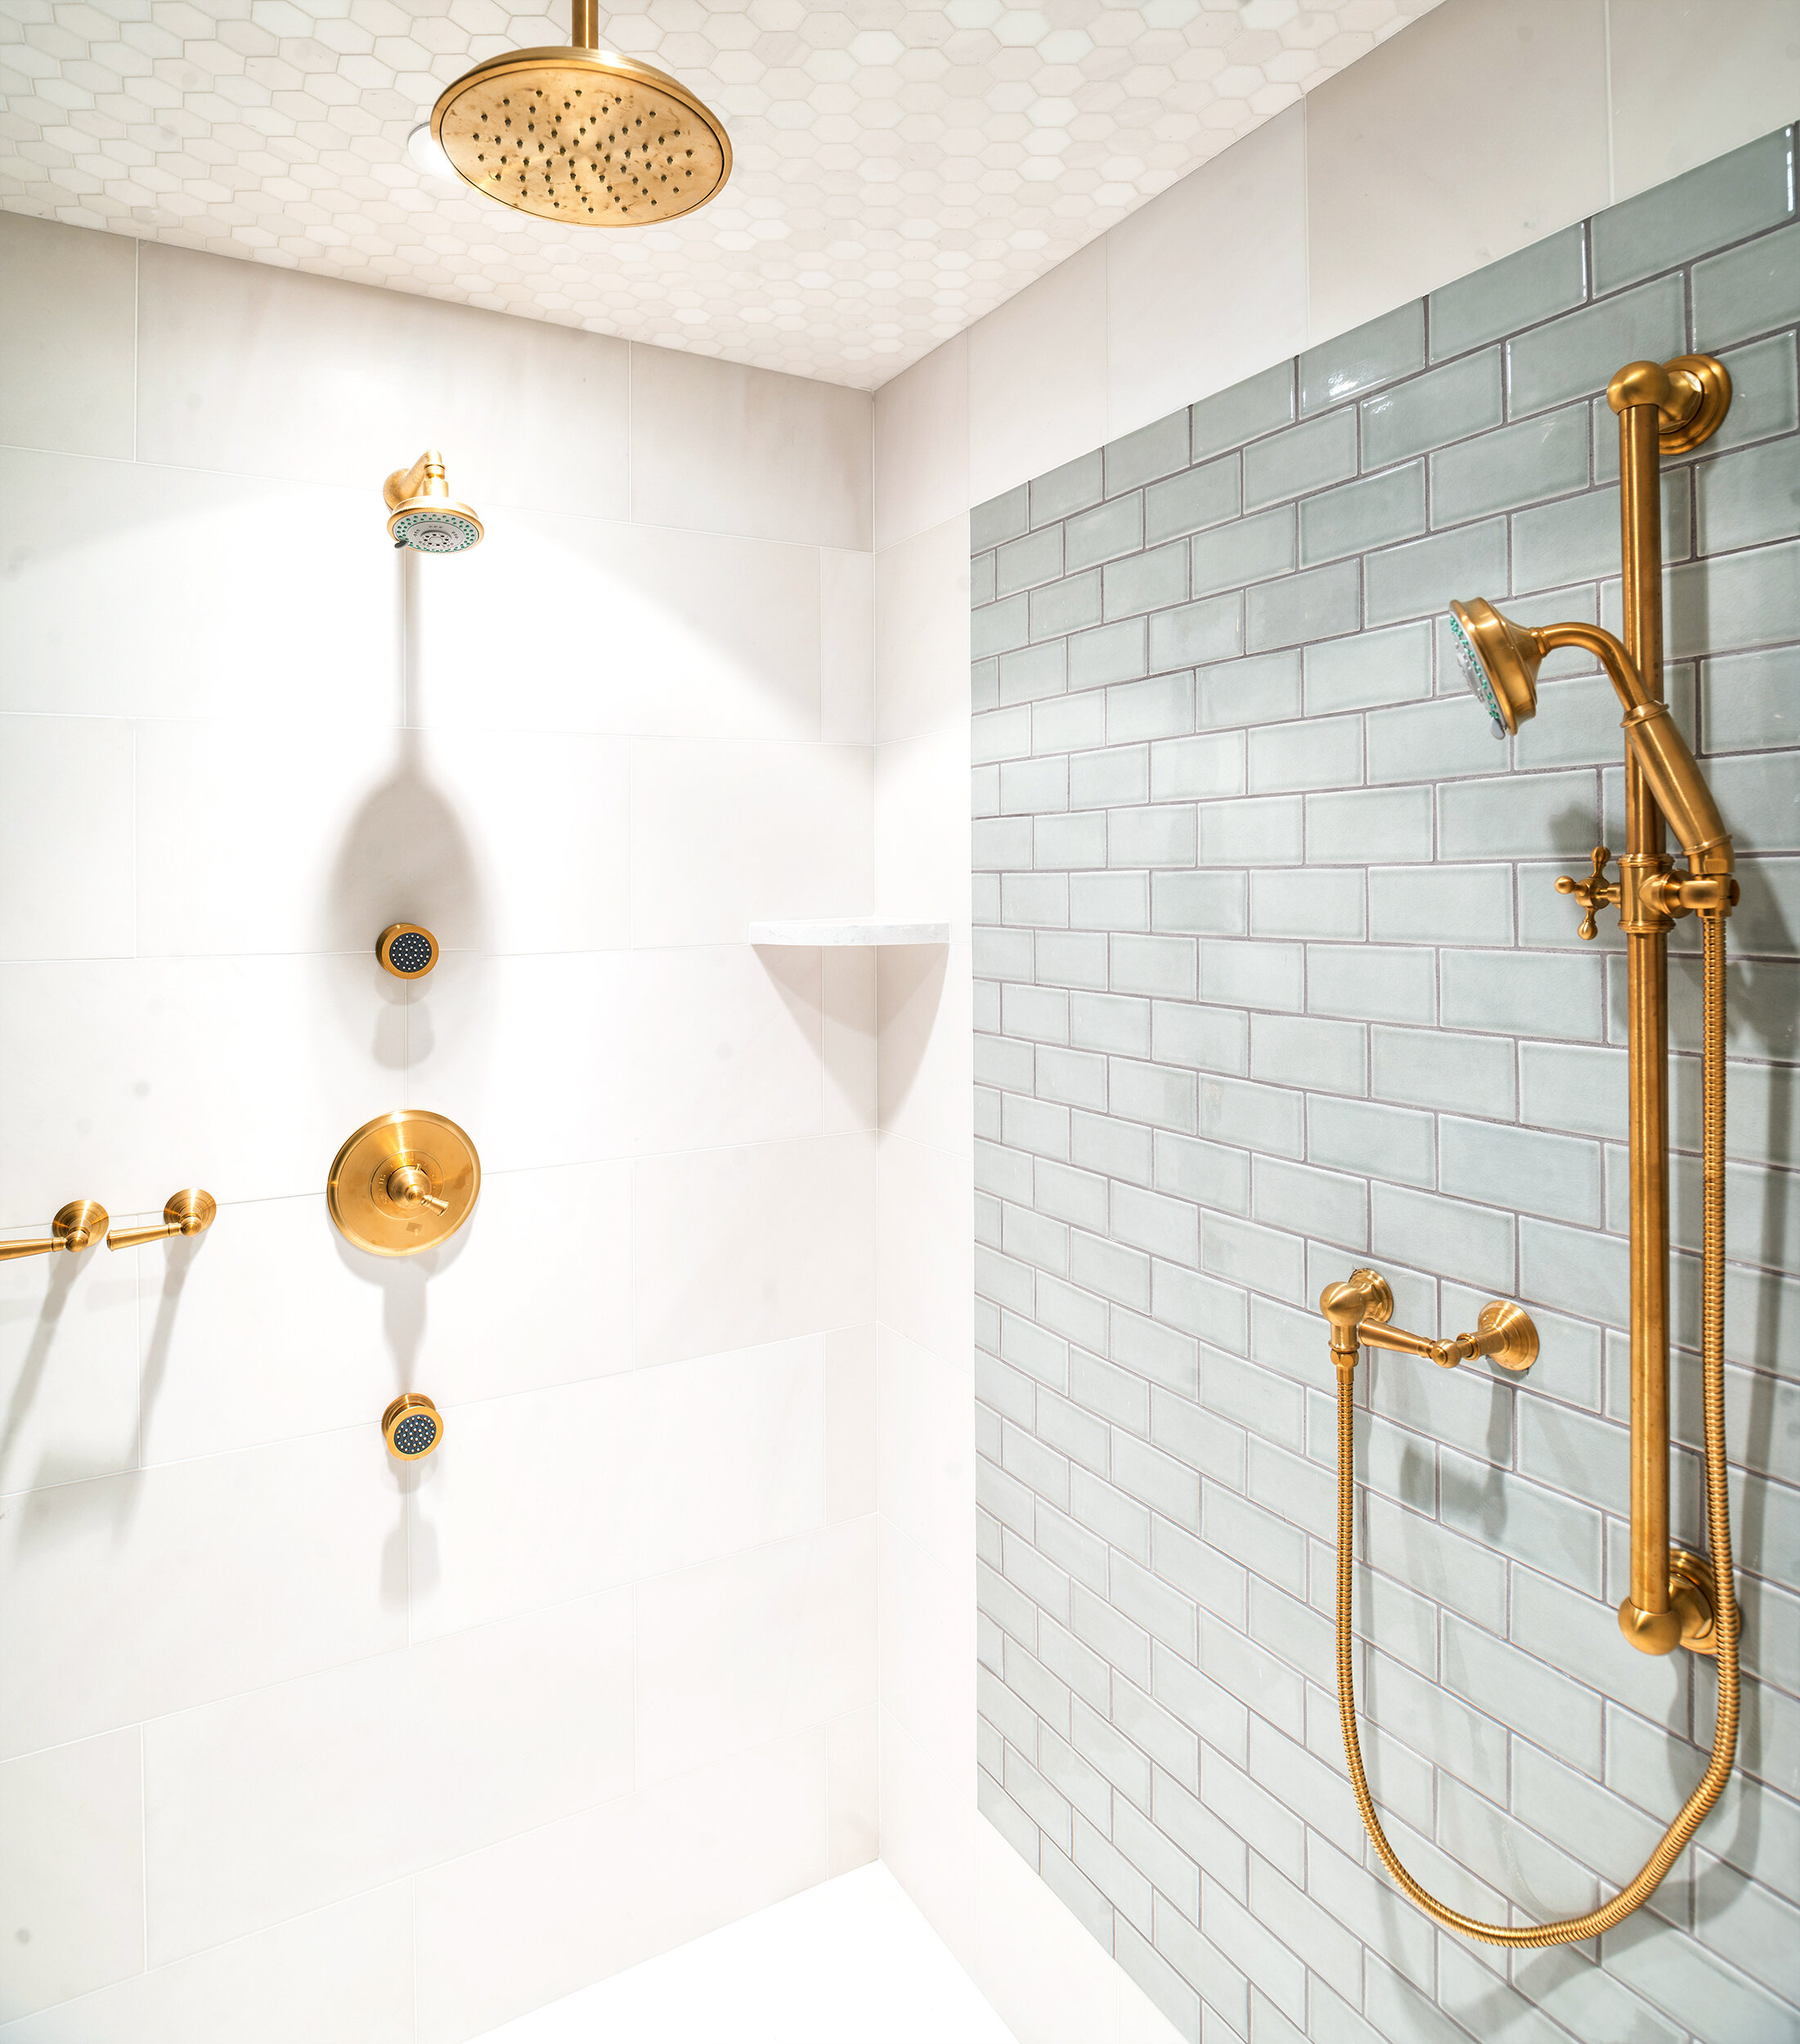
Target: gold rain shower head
{"points": [[422, 514], [582, 135]]}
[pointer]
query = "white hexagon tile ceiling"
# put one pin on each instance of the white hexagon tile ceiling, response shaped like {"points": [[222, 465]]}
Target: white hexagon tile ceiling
{"points": [[900, 169]]}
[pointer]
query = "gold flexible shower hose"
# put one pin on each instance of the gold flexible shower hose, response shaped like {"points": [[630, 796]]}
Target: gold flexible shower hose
{"points": [[1572, 1930]]}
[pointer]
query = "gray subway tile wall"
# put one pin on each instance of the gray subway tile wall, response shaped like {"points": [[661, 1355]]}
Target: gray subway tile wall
{"points": [[1270, 979]]}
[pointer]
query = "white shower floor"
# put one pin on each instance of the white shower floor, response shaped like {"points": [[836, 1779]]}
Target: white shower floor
{"points": [[851, 1961]]}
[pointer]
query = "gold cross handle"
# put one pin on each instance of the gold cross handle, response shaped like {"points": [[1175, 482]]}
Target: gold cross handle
{"points": [[1594, 892]]}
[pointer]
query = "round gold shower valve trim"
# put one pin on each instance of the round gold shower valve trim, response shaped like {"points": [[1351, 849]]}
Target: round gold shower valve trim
{"points": [[403, 1182]]}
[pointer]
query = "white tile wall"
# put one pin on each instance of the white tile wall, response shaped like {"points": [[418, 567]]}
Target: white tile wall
{"points": [[274, 1711]]}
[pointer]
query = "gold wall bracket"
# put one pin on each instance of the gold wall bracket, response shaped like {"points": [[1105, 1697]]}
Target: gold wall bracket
{"points": [[1360, 1313], [189, 1212], [1690, 1617], [403, 1182], [75, 1227]]}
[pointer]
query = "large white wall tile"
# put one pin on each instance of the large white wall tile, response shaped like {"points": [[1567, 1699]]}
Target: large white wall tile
{"points": [[723, 835], [927, 1627], [737, 1654], [925, 1449], [849, 1422], [724, 1047], [922, 444], [928, 1827], [853, 1765], [524, 1922], [1037, 379], [922, 632], [577, 624], [1206, 283], [120, 1080], [68, 337], [128, 1596], [139, 591], [921, 825], [722, 448], [1691, 82], [925, 1266], [268, 372], [1398, 202], [71, 1870], [846, 627], [735, 1247], [502, 841], [341, 1973], [556, 1494], [68, 1366], [295, 1795], [65, 793], [530, 1055]]}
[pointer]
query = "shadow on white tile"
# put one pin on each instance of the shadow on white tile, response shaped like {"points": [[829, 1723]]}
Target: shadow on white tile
{"points": [[849, 1422], [924, 1257], [925, 1448], [928, 1629], [847, 978], [926, 1039], [68, 1367]]}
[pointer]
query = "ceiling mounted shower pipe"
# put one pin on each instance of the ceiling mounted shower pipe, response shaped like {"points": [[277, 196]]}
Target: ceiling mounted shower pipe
{"points": [[1678, 1597]]}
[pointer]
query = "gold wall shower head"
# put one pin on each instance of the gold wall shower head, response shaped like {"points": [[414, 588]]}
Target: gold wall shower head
{"points": [[422, 514], [582, 135], [412, 1427]]}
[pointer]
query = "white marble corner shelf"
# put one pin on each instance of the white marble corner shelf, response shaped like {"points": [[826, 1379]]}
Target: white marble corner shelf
{"points": [[850, 929]]}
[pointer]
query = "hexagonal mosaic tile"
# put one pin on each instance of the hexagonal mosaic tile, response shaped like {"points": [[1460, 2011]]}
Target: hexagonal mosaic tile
{"points": [[900, 169]]}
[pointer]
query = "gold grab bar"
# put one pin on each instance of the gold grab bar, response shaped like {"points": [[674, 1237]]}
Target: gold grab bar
{"points": [[77, 1226]]}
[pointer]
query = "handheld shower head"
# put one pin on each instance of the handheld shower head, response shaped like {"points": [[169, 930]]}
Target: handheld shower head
{"points": [[422, 513], [1500, 661]]}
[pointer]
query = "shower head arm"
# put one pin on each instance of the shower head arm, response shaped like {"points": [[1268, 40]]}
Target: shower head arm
{"points": [[1621, 669], [1656, 743], [427, 478]]}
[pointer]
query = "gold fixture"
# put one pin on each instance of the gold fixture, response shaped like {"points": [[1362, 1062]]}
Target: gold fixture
{"points": [[407, 950], [582, 135], [189, 1212], [412, 1427], [1678, 1597], [403, 1182], [422, 514], [77, 1226]]}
